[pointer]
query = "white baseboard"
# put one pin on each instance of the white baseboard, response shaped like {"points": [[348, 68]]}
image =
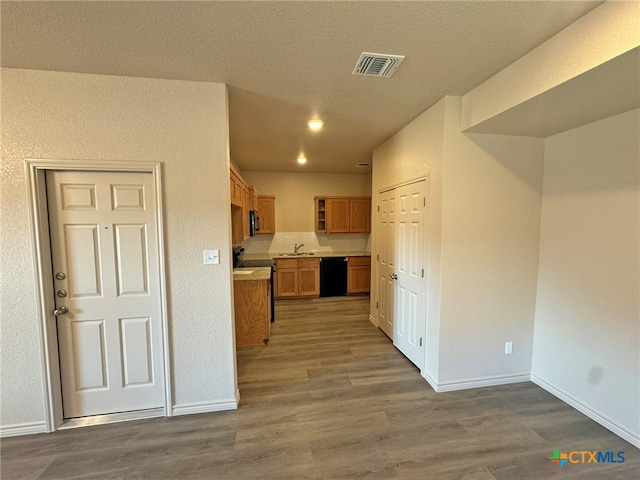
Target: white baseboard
{"points": [[19, 429], [429, 380], [476, 382], [373, 320], [598, 417], [192, 408]]}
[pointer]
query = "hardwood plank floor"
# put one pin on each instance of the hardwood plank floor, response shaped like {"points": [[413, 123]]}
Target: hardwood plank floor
{"points": [[330, 398]]}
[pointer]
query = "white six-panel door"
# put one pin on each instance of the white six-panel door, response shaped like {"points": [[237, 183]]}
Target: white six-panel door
{"points": [[409, 302], [386, 251], [104, 244]]}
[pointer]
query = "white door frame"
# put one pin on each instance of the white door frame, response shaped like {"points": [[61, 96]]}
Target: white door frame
{"points": [[35, 171]]}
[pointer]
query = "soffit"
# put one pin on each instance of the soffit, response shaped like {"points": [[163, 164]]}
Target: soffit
{"points": [[610, 89]]}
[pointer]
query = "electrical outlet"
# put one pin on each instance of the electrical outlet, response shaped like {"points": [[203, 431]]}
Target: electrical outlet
{"points": [[508, 348], [211, 257]]}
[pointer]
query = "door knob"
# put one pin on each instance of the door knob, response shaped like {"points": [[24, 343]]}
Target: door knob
{"points": [[60, 311]]}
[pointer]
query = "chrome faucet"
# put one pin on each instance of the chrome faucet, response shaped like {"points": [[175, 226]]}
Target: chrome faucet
{"points": [[297, 247]]}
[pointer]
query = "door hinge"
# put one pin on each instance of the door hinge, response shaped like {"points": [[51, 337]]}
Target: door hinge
{"points": [[423, 273], [420, 341]]}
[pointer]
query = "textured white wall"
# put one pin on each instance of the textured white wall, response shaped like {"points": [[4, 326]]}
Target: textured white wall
{"points": [[587, 331], [413, 152], [492, 188], [184, 125], [607, 31], [482, 240]]}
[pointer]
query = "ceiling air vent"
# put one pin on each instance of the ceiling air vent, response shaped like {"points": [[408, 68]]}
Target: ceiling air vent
{"points": [[377, 64]]}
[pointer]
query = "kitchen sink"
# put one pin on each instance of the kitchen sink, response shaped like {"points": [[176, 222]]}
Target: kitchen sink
{"points": [[296, 254]]}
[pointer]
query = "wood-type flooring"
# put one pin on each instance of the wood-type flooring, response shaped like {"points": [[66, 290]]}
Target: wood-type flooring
{"points": [[330, 398]]}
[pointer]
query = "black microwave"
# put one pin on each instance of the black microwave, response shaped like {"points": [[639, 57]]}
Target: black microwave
{"points": [[254, 223]]}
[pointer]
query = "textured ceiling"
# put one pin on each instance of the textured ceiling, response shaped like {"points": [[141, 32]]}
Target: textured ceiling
{"points": [[286, 61]]}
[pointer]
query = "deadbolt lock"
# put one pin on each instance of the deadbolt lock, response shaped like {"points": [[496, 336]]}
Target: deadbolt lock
{"points": [[61, 293], [60, 276]]}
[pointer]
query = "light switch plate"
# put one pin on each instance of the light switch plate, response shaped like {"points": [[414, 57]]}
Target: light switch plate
{"points": [[211, 257]]}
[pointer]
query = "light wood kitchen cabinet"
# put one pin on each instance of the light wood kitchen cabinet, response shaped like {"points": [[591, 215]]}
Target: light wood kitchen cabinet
{"points": [[337, 215], [297, 277], [253, 194], [237, 190], [308, 277], [320, 215], [267, 214], [360, 215], [237, 233], [252, 304], [244, 199], [358, 275], [236, 187], [286, 277], [342, 214]]}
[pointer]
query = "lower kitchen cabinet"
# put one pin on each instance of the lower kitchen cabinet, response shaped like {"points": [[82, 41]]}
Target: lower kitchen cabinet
{"points": [[297, 277], [252, 303], [358, 275], [308, 277], [286, 278]]}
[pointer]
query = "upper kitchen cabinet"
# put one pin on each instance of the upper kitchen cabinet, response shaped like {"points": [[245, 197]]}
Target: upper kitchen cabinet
{"points": [[267, 214], [360, 214], [337, 215], [253, 193], [243, 199], [236, 188], [320, 220], [343, 214]]}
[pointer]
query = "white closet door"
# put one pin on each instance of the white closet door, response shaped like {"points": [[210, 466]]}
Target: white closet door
{"points": [[386, 249], [409, 316]]}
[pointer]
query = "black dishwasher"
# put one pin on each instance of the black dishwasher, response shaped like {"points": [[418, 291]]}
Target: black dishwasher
{"points": [[333, 276]]}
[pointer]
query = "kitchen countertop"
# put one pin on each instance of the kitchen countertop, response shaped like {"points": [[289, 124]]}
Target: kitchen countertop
{"points": [[255, 273], [271, 255]]}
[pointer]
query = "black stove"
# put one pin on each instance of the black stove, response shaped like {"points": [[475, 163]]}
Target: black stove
{"points": [[255, 263]]}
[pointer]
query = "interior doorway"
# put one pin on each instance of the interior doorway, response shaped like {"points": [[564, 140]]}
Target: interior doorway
{"points": [[100, 264], [401, 269]]}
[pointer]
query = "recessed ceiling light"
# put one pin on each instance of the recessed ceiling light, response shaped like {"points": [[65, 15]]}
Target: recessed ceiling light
{"points": [[302, 159], [315, 125]]}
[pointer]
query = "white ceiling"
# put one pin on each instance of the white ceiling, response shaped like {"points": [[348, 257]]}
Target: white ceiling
{"points": [[285, 61]]}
